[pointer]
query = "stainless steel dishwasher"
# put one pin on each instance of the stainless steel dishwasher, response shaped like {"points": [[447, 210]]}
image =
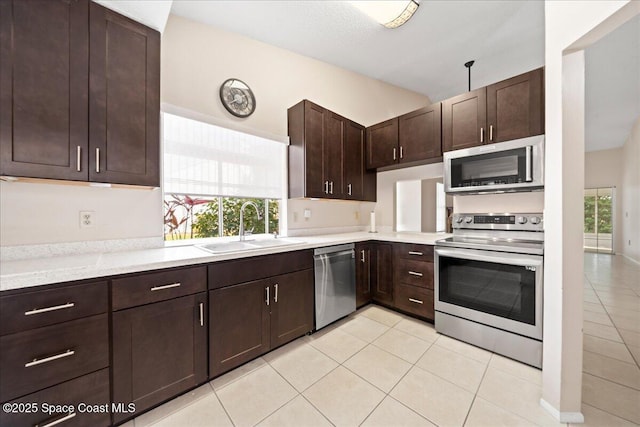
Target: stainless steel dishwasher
{"points": [[335, 279]]}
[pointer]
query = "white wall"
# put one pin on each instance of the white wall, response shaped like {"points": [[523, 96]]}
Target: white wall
{"points": [[603, 169], [566, 24], [32, 213], [630, 211]]}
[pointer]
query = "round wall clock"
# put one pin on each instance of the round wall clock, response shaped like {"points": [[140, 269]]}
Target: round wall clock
{"points": [[237, 98]]}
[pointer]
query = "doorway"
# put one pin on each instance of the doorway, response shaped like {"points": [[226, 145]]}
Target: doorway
{"points": [[598, 219]]}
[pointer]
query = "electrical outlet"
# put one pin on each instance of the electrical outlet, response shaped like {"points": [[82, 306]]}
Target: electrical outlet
{"points": [[356, 215], [307, 213], [86, 219]]}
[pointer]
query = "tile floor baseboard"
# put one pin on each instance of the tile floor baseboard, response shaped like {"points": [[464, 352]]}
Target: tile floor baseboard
{"points": [[380, 368]]}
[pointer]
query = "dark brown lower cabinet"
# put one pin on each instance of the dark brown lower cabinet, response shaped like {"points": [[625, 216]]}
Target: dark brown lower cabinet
{"points": [[159, 351], [251, 318], [83, 401], [363, 273], [382, 270]]}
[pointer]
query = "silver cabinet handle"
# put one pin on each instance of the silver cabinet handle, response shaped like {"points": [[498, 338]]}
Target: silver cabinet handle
{"points": [[267, 300], [36, 362], [46, 309], [490, 133], [97, 160], [58, 421], [401, 152], [349, 189], [417, 301], [172, 285], [528, 176], [481, 134], [326, 187], [415, 273], [394, 154], [362, 255], [78, 154], [275, 294], [201, 314], [415, 253], [331, 187]]}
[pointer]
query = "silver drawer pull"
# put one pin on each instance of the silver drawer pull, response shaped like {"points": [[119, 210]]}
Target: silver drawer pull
{"points": [[97, 160], [172, 285], [46, 309], [417, 301], [201, 314], [78, 156], [415, 273], [275, 295], [49, 359], [415, 253], [58, 421]]}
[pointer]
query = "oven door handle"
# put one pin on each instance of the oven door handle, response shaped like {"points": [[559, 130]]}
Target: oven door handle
{"points": [[489, 256]]}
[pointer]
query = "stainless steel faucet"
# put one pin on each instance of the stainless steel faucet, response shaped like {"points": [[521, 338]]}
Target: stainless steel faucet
{"points": [[244, 205]]}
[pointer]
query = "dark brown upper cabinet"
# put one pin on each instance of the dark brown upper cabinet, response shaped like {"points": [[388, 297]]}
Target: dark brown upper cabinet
{"points": [[44, 81], [420, 136], [411, 139], [326, 155], [79, 93], [515, 107], [510, 109], [464, 120], [382, 144], [124, 100]]}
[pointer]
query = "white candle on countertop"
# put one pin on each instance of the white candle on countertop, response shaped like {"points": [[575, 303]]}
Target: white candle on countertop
{"points": [[373, 222]]}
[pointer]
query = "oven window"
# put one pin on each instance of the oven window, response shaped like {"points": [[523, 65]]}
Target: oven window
{"points": [[503, 290]]}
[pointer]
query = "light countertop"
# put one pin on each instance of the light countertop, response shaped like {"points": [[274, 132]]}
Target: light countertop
{"points": [[42, 271]]}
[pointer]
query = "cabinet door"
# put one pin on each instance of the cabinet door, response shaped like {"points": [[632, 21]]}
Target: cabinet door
{"points": [[420, 134], [124, 101], [464, 119], [239, 319], [313, 137], [363, 274], [159, 351], [383, 273], [382, 144], [515, 107], [291, 306], [353, 155], [44, 55], [332, 153]]}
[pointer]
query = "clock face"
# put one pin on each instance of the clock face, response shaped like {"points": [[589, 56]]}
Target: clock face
{"points": [[237, 98]]}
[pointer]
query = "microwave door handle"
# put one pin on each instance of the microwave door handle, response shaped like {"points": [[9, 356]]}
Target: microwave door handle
{"points": [[528, 177]]}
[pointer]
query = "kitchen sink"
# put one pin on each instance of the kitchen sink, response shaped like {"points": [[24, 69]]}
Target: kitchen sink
{"points": [[248, 245]]}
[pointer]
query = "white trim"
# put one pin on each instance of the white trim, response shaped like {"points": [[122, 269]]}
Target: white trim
{"points": [[629, 258], [563, 417], [194, 115]]}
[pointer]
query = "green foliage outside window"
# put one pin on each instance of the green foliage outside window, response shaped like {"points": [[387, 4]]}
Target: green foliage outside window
{"points": [[604, 222]]}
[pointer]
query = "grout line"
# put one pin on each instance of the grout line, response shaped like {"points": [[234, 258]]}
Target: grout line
{"points": [[223, 408], [603, 409], [475, 395], [314, 406]]}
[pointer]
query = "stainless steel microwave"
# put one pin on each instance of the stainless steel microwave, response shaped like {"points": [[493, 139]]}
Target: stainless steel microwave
{"points": [[510, 166]]}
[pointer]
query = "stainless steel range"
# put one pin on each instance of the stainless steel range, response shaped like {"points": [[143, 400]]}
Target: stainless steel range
{"points": [[489, 283]]}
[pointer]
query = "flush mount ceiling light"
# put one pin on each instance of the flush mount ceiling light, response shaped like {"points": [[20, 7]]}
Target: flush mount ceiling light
{"points": [[391, 14]]}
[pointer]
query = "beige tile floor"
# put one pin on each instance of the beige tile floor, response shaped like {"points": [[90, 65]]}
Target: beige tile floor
{"points": [[379, 368]]}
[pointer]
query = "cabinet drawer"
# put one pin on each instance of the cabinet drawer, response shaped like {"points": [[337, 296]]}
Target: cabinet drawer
{"points": [[153, 287], [79, 395], [42, 308], [416, 273], [33, 360], [412, 299], [413, 251], [249, 269]]}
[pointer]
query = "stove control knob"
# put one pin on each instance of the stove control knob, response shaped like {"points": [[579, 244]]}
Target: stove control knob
{"points": [[535, 220], [522, 220], [468, 219], [459, 219]]}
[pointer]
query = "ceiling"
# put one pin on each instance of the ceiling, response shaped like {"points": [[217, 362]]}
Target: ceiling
{"points": [[427, 54]]}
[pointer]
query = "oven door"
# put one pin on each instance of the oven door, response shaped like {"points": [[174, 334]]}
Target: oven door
{"points": [[498, 289]]}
